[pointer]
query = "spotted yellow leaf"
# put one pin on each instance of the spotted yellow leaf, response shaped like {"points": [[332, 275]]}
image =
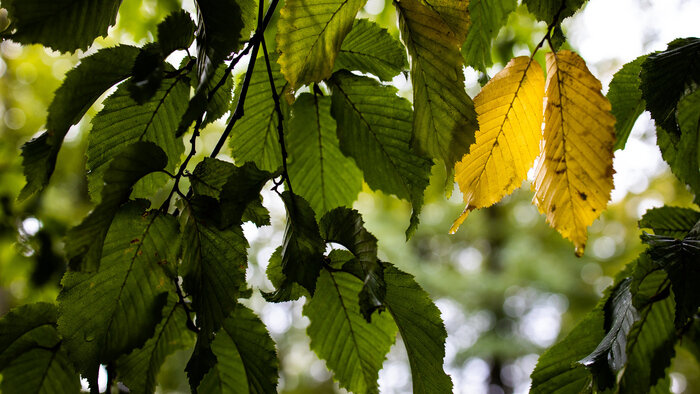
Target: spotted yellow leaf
{"points": [[509, 112], [574, 175]]}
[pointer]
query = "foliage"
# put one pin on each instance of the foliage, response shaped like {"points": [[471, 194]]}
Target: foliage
{"points": [[159, 264]]}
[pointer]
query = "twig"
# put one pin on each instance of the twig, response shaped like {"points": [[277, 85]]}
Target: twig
{"points": [[183, 166], [182, 301]]}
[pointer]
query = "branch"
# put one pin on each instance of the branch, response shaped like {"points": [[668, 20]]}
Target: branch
{"points": [[182, 301], [183, 166]]}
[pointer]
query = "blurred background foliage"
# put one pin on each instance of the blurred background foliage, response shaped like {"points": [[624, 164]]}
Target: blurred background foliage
{"points": [[508, 286]]}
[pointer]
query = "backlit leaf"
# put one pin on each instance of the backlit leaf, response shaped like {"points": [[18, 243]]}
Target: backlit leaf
{"points": [[626, 99], [41, 371], [546, 10], [176, 31], [684, 156], [574, 175], [309, 36], [669, 221], [26, 327], [445, 120], [509, 111], [487, 17]]}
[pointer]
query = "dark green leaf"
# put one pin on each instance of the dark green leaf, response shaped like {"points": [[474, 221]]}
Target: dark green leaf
{"points": [[176, 31], [670, 221], [665, 77], [84, 242], [246, 357], [686, 165], [546, 10], [53, 23], [138, 370], [374, 128], [487, 17], [115, 310], [371, 49], [353, 349], [626, 99], [147, 74], [81, 87], [318, 170], [27, 327], [286, 290], [201, 361], [421, 328], [41, 371]]}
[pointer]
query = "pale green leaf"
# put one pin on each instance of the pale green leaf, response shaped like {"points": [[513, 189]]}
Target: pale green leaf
{"points": [[487, 17], [626, 99]]}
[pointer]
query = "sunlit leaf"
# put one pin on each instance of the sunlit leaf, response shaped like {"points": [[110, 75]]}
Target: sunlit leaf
{"points": [[509, 111], [445, 120], [487, 17], [574, 175], [626, 99], [309, 36]]}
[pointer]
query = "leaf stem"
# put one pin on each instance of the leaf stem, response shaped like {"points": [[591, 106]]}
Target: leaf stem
{"points": [[185, 305]]}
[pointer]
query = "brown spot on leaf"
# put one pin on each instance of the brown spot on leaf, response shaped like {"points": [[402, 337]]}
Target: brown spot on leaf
{"points": [[135, 240], [583, 196], [554, 208]]}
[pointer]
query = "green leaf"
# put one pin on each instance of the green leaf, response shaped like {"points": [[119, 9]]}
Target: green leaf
{"points": [[246, 357], [353, 349], [626, 99], [445, 120], [138, 370], [41, 371], [53, 23], [546, 10], [220, 102], [670, 221], [487, 17], [665, 77], [213, 265], [370, 48], [286, 291], [255, 136], [318, 170], [147, 74], [344, 226], [81, 87], [309, 37], [303, 247], [610, 353], [27, 327], [686, 163], [421, 328], [374, 128], [115, 310], [176, 31], [122, 121], [84, 242]]}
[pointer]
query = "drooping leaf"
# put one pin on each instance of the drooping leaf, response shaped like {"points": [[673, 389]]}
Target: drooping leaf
{"points": [[371, 49], [353, 349], [246, 357], [115, 310], [509, 111], [27, 327], [201, 361], [176, 31], [626, 99], [309, 36], [147, 73], [213, 265], [574, 175], [122, 122], [546, 10], [84, 242], [445, 120], [318, 170], [665, 77], [487, 17], [81, 87], [255, 136], [669, 221], [41, 370], [138, 370], [374, 128], [286, 290], [53, 23], [421, 328], [684, 156]]}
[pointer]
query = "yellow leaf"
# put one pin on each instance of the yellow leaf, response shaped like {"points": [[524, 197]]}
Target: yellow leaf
{"points": [[574, 175], [509, 110], [309, 37]]}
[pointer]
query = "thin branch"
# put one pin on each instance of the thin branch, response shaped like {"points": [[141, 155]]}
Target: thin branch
{"points": [[182, 301], [183, 166]]}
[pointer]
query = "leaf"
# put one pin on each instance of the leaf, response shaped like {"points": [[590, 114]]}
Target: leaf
{"points": [[176, 31], [286, 290], [374, 128], [147, 74], [84, 242], [123, 122], [41, 371], [318, 170], [509, 111], [309, 37], [445, 120], [52, 23], [421, 328], [115, 310], [26, 327], [213, 265], [574, 175], [487, 17], [669, 221], [665, 77], [246, 357], [220, 102], [684, 156], [546, 10], [81, 87], [370, 48], [138, 370], [626, 99], [353, 349], [255, 136]]}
